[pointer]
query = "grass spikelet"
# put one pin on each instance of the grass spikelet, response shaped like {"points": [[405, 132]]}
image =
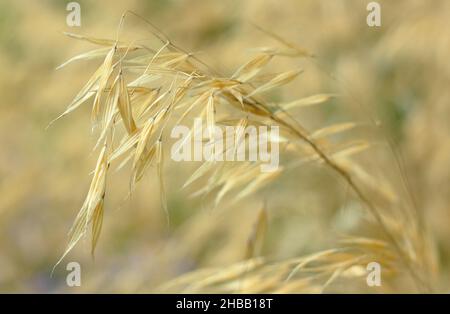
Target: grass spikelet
{"points": [[125, 106], [160, 168], [250, 69], [92, 208], [278, 80], [256, 239], [307, 101], [332, 129]]}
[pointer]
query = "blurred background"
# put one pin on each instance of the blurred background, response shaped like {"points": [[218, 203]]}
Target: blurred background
{"points": [[397, 73]]}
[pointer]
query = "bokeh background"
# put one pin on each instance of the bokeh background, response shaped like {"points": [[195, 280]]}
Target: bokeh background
{"points": [[398, 74]]}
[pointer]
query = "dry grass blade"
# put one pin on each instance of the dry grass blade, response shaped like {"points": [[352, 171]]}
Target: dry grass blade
{"points": [[277, 81], [307, 101], [83, 95], [125, 108], [256, 239], [253, 67], [106, 70], [92, 207], [125, 146], [144, 137], [349, 150], [333, 129], [144, 79], [98, 41], [305, 261], [97, 223], [141, 165], [110, 113], [309, 274], [86, 56], [258, 182]]}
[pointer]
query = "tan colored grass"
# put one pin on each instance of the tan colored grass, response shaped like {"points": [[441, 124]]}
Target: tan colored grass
{"points": [[138, 92]]}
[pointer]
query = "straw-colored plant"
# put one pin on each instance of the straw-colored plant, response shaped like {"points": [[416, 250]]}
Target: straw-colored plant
{"points": [[138, 92]]}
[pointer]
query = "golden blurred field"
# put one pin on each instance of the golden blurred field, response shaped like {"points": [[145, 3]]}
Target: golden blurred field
{"points": [[397, 74]]}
